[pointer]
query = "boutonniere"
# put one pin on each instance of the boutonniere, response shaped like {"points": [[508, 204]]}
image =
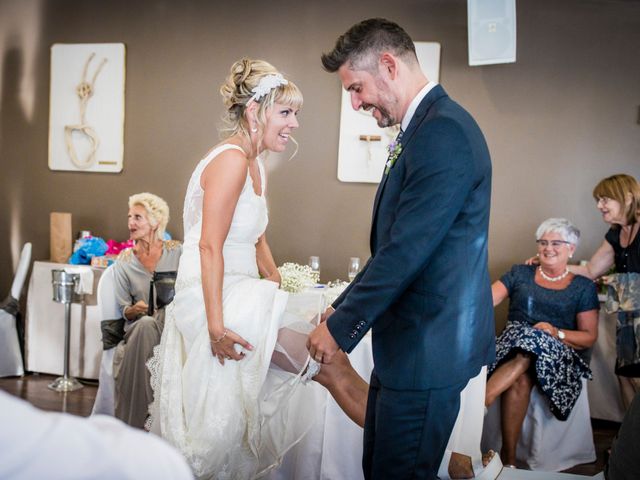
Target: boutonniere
{"points": [[394, 148]]}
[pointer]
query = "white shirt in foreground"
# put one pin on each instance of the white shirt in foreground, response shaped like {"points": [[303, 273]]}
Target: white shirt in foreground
{"points": [[37, 444]]}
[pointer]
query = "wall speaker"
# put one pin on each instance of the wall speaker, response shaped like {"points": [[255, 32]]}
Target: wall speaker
{"points": [[492, 31]]}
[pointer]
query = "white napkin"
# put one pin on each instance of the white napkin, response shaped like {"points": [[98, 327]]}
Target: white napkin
{"points": [[85, 285]]}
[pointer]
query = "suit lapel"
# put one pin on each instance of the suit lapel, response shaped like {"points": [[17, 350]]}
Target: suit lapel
{"points": [[383, 181], [436, 93]]}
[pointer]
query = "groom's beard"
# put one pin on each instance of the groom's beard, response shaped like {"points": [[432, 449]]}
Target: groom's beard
{"points": [[386, 120]]}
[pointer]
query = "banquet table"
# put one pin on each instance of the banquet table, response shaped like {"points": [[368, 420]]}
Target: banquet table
{"points": [[44, 327], [333, 448]]}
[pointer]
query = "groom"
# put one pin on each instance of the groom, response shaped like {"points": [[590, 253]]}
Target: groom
{"points": [[425, 292]]}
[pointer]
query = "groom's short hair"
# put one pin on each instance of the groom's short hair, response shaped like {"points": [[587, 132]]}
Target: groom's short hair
{"points": [[371, 36]]}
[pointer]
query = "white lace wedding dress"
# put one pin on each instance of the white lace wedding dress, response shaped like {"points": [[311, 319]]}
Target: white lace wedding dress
{"points": [[233, 421]]}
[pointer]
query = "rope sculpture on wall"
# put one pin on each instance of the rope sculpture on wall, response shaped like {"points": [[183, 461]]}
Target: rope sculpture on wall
{"points": [[85, 91]]}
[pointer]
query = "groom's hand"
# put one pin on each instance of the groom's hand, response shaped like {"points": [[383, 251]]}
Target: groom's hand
{"points": [[321, 345]]}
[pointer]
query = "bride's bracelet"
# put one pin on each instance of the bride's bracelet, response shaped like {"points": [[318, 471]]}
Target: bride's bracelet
{"points": [[218, 340]]}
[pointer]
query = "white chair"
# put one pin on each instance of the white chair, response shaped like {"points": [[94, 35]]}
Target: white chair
{"points": [[108, 307], [546, 443], [466, 435], [11, 363]]}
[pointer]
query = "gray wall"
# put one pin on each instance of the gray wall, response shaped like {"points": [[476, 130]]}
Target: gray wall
{"points": [[558, 120]]}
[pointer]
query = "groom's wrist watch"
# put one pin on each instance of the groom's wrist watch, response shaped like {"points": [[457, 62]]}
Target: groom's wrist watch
{"points": [[561, 334]]}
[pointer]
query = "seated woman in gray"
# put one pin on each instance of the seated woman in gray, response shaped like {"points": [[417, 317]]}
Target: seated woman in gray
{"points": [[133, 272]]}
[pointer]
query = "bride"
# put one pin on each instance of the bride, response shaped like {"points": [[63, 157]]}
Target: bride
{"points": [[216, 397]]}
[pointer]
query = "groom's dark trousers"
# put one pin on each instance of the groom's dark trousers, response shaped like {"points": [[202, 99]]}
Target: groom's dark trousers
{"points": [[401, 439], [425, 292]]}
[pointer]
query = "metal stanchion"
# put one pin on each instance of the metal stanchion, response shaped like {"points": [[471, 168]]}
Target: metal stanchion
{"points": [[63, 287]]}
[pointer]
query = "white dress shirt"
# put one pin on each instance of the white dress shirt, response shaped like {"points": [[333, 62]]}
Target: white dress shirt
{"points": [[414, 105]]}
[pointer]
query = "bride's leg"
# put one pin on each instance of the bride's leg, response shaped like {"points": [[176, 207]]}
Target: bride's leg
{"points": [[345, 385], [348, 389]]}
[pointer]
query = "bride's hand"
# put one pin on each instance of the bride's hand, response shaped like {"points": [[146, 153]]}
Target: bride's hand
{"points": [[275, 277], [223, 347]]}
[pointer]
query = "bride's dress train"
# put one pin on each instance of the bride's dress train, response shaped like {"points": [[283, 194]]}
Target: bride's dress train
{"points": [[232, 421]]}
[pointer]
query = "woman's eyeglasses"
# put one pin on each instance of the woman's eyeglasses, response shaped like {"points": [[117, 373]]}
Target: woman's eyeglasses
{"points": [[553, 243]]}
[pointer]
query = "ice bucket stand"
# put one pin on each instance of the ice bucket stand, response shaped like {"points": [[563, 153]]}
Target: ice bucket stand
{"points": [[63, 288]]}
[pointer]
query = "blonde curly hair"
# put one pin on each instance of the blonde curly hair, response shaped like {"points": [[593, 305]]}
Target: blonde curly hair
{"points": [[236, 91], [156, 208]]}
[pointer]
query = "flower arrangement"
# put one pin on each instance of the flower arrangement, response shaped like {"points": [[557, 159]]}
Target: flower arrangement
{"points": [[296, 278], [395, 149]]}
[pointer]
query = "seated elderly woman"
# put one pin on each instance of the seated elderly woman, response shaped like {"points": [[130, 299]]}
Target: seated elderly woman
{"points": [[133, 273], [552, 322]]}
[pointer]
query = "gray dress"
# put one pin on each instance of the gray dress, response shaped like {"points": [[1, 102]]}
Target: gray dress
{"points": [[133, 392]]}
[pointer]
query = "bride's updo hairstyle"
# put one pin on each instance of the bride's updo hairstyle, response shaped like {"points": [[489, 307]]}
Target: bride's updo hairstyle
{"points": [[244, 76]]}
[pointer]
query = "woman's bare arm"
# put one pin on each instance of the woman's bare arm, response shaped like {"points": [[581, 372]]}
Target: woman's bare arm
{"points": [[587, 332], [600, 262], [222, 182], [266, 264], [499, 292]]}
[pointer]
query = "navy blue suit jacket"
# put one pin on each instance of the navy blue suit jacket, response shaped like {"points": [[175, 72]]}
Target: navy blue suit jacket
{"points": [[426, 291]]}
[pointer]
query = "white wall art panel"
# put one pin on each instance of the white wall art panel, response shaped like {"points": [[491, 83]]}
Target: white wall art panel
{"points": [[86, 117]]}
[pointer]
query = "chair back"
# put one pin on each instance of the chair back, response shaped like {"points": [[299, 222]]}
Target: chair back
{"points": [[108, 310], [11, 329], [107, 302], [21, 271]]}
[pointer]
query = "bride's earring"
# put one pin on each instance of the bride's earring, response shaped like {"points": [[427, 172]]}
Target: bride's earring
{"points": [[254, 129]]}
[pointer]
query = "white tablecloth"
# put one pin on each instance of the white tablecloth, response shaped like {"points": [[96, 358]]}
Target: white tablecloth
{"points": [[44, 328], [332, 450]]}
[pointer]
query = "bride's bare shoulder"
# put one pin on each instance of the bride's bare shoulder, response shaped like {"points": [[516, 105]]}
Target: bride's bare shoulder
{"points": [[229, 165]]}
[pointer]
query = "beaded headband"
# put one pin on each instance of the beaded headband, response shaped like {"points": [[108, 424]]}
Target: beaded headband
{"points": [[266, 84]]}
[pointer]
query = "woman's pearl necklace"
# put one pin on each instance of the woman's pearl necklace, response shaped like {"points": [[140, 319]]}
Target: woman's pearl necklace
{"points": [[553, 279]]}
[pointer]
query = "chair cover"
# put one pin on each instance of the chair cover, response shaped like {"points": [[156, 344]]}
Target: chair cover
{"points": [[108, 308], [546, 443], [11, 361], [10, 356], [605, 398]]}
